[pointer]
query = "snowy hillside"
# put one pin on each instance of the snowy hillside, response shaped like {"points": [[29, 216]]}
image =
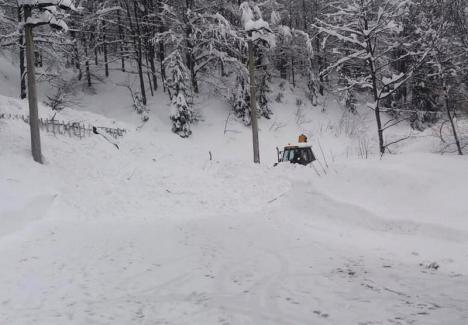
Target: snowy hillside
{"points": [[156, 233]]}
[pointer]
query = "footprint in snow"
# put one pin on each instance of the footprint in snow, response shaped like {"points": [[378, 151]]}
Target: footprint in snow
{"points": [[319, 313]]}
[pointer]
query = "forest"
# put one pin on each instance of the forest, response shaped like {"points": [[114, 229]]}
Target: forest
{"points": [[405, 60]]}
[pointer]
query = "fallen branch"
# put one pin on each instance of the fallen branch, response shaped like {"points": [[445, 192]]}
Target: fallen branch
{"points": [[95, 131]]}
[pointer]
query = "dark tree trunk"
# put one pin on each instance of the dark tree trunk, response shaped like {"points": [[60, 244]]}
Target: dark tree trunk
{"points": [[122, 42], [104, 46], [148, 74], [320, 64], [190, 47], [452, 123], [153, 66], [253, 103], [138, 48], [293, 73], [96, 60], [370, 62], [162, 56], [283, 68], [22, 58], [86, 52], [76, 55], [150, 49], [191, 61], [161, 49]]}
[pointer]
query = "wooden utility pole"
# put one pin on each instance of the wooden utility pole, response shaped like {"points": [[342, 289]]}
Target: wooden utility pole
{"points": [[32, 91], [253, 102]]}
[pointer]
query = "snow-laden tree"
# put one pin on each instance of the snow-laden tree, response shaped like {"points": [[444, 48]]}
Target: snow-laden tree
{"points": [[262, 40], [447, 69], [179, 19], [214, 49], [10, 36], [8, 23], [180, 79], [297, 46], [369, 34], [178, 85], [52, 46], [240, 99]]}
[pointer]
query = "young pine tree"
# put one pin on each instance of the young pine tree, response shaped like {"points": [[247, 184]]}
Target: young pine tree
{"points": [[178, 85]]}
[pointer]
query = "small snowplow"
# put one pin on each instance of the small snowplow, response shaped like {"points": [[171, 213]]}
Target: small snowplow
{"points": [[299, 153]]}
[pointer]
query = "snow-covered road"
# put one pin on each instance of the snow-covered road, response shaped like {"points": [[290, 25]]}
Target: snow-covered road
{"points": [[146, 235]]}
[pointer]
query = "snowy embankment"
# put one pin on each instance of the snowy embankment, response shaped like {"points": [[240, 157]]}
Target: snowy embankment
{"points": [[156, 233]]}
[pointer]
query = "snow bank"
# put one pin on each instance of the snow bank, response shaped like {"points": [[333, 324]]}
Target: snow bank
{"points": [[424, 188]]}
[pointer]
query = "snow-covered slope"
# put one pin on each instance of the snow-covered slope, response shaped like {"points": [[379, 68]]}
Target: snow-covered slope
{"points": [[157, 233]]}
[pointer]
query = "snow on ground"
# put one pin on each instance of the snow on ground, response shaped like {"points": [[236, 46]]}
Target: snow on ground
{"points": [[153, 235], [156, 233]]}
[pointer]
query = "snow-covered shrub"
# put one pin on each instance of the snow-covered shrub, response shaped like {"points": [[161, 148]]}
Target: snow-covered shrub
{"points": [[350, 101], [63, 96], [279, 97], [181, 115], [282, 85], [138, 104], [139, 107], [57, 100], [299, 102]]}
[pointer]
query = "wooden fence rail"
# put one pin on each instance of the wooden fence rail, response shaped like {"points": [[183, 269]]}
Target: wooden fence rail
{"points": [[72, 129]]}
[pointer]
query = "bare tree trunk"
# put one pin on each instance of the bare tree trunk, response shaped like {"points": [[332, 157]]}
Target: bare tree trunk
{"points": [[283, 68], [320, 64], [140, 72], [190, 47], [162, 56], [161, 49], [138, 47], [191, 62], [104, 45], [76, 55], [318, 53], [253, 104], [452, 123], [21, 57], [293, 74], [370, 61], [152, 65], [32, 91], [150, 49], [305, 21], [88, 72], [148, 74], [122, 41], [96, 60]]}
